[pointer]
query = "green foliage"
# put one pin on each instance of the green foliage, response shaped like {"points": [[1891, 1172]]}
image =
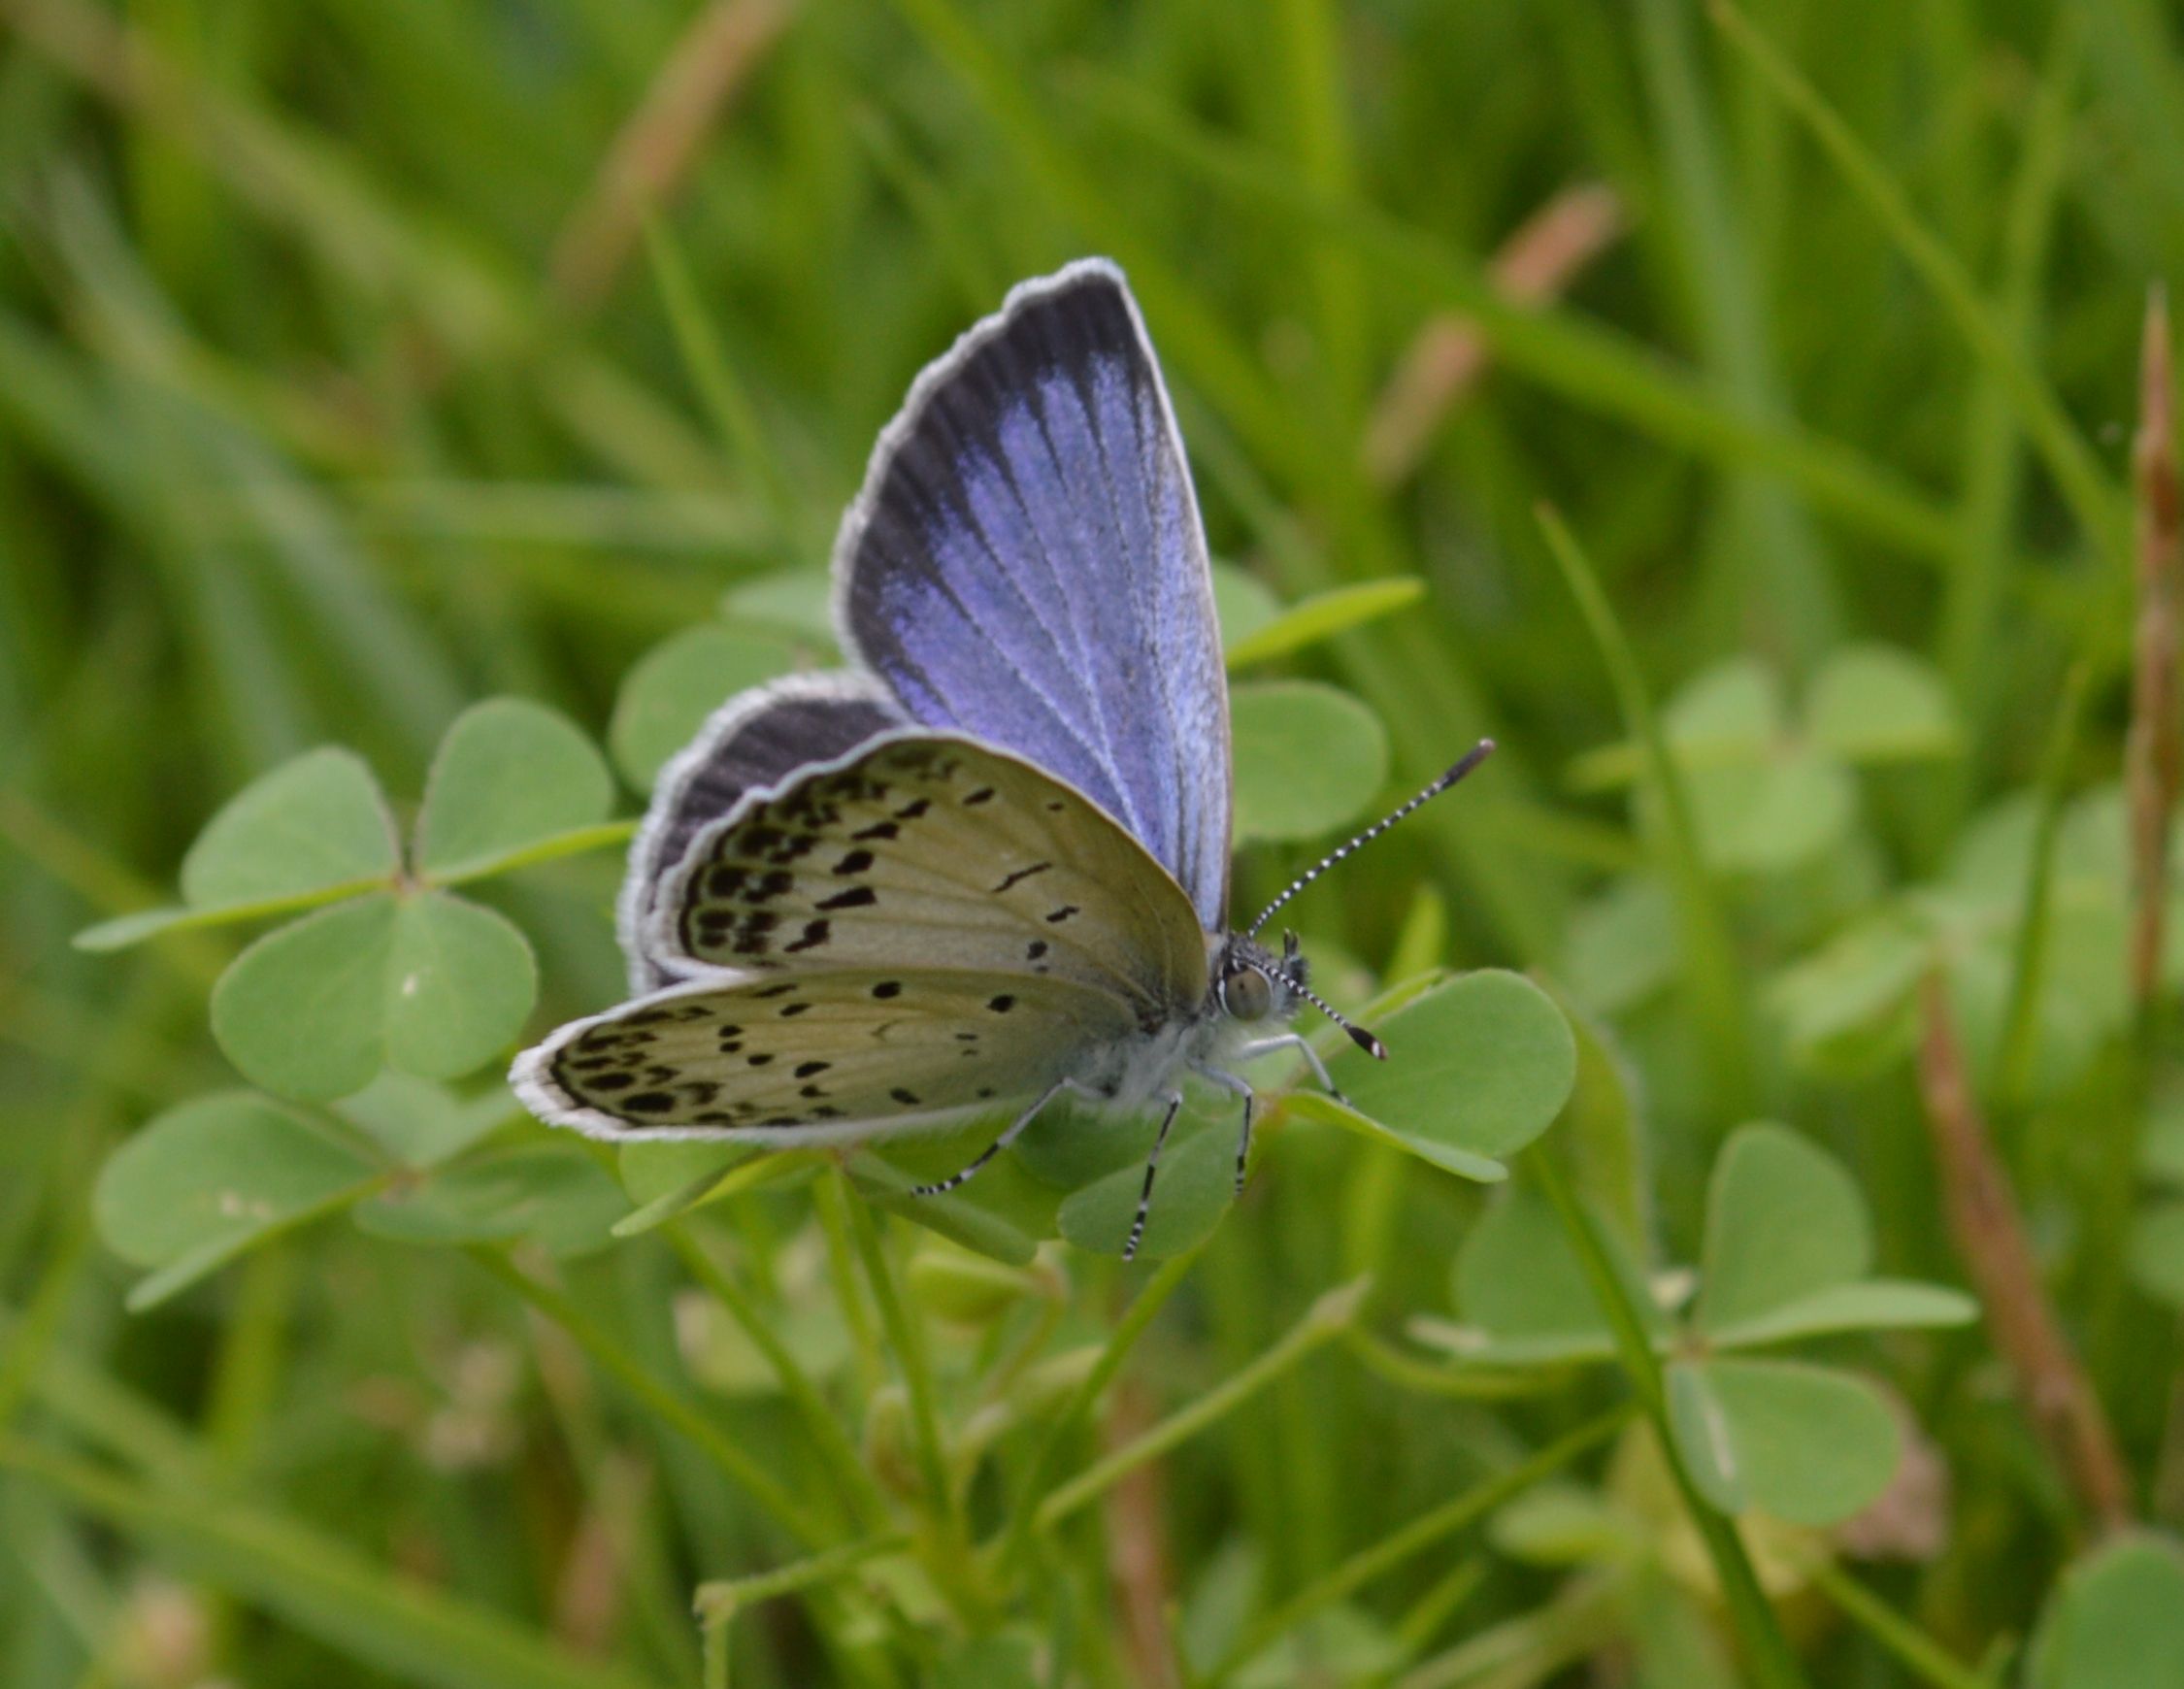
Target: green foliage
{"points": [[316, 822], [551, 1195], [207, 1179], [1807, 1444], [315, 827], [1319, 617], [1770, 795], [509, 776], [404, 976], [340, 388], [1787, 1257], [1476, 1069], [1307, 759], [666, 698], [2116, 1621]]}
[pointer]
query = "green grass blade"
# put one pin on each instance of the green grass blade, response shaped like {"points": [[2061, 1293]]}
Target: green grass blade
{"points": [[1719, 999], [320, 1586], [1589, 365], [2090, 492], [1769, 565]]}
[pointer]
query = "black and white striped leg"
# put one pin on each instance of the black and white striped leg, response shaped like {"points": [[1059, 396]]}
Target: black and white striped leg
{"points": [[1152, 1166], [1299, 1042], [1228, 1081], [1015, 1127]]}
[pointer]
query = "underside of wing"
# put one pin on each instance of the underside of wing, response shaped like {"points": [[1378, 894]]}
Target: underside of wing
{"points": [[817, 1057], [1026, 564], [757, 739], [936, 852]]}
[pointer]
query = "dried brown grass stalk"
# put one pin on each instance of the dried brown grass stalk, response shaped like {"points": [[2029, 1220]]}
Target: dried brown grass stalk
{"points": [[589, 1593], [1139, 1561], [1447, 358], [695, 86], [1989, 1232]]}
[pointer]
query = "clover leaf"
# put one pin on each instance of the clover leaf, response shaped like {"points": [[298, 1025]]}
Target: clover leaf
{"points": [[313, 827], [1848, 1007], [1477, 1068], [1809, 1445], [1771, 791], [202, 1182], [507, 777], [2115, 1621], [1309, 758], [1787, 1255], [429, 984], [384, 968]]}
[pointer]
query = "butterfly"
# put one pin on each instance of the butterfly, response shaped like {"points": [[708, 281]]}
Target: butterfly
{"points": [[988, 862]]}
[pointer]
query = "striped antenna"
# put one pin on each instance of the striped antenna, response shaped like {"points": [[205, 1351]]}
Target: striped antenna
{"points": [[1359, 1036], [1477, 755]]}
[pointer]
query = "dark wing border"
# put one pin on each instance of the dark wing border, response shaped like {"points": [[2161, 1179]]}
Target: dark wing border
{"points": [[848, 708]]}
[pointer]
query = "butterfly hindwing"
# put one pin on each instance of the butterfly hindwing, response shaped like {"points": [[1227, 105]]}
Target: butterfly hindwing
{"points": [[757, 739], [934, 850], [842, 1054], [1026, 564]]}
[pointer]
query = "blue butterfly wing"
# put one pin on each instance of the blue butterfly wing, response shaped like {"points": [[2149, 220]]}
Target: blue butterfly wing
{"points": [[1026, 564]]}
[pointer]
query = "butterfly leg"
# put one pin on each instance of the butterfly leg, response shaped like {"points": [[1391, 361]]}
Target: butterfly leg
{"points": [[1243, 1088], [1152, 1166], [1016, 1129], [1299, 1042]]}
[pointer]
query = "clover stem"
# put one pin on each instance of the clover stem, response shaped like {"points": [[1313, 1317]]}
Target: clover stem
{"points": [[1766, 1651]]}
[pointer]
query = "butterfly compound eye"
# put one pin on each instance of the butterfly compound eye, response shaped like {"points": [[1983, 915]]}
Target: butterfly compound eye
{"points": [[1246, 994]]}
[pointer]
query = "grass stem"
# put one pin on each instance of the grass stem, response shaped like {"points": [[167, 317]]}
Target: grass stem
{"points": [[1166, 1279], [855, 1480], [1326, 1320], [661, 1399], [1767, 1653], [1920, 1654], [908, 1340], [1719, 1000], [1415, 1538], [2019, 1043]]}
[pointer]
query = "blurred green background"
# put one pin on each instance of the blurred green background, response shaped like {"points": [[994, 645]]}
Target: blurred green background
{"points": [[341, 384]]}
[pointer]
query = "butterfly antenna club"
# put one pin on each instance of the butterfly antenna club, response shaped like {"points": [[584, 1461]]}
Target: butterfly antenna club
{"points": [[1363, 1039], [1477, 755]]}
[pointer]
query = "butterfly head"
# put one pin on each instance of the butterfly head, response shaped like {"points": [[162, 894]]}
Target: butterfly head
{"points": [[1252, 985]]}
